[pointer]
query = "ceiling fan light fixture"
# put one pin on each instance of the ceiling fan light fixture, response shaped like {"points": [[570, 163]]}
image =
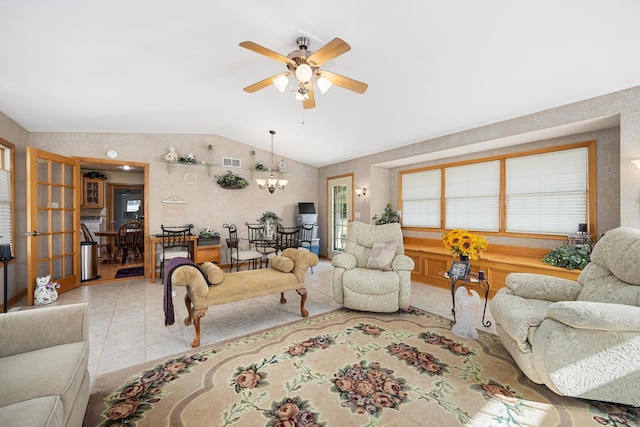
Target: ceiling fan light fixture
{"points": [[302, 94], [323, 83], [281, 82], [304, 73]]}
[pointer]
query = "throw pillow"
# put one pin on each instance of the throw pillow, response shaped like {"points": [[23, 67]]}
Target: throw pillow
{"points": [[214, 273], [381, 256], [281, 263]]}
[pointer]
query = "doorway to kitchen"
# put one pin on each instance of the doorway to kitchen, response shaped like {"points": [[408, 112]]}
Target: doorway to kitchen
{"points": [[125, 198]]}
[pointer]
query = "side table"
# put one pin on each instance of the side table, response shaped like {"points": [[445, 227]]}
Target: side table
{"points": [[470, 280]]}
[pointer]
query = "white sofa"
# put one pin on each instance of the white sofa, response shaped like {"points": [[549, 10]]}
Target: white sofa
{"points": [[361, 282], [44, 375], [579, 338]]}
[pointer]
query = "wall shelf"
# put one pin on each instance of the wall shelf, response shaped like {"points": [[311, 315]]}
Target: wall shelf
{"points": [[201, 164]]}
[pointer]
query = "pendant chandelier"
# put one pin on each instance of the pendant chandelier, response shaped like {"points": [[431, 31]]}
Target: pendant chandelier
{"points": [[272, 182]]}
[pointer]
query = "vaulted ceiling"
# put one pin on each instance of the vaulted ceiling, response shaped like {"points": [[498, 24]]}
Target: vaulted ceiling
{"points": [[433, 67]]}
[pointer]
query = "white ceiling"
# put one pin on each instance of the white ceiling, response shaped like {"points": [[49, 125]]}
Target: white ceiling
{"points": [[433, 67]]}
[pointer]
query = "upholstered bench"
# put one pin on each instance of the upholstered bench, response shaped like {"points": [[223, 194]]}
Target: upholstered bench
{"points": [[286, 272]]}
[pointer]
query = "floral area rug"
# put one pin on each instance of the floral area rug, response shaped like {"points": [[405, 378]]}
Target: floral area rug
{"points": [[343, 368]]}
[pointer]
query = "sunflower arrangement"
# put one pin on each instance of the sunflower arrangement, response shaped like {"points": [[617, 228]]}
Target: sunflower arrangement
{"points": [[462, 242]]}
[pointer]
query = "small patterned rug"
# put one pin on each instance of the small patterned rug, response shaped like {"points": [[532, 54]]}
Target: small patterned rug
{"points": [[343, 368]]}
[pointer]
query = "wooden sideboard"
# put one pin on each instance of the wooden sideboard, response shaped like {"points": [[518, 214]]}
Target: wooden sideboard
{"points": [[431, 259], [207, 253]]}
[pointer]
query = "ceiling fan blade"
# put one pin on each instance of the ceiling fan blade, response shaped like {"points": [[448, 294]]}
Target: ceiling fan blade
{"points": [[334, 48], [263, 83], [266, 52], [309, 103], [345, 82]]}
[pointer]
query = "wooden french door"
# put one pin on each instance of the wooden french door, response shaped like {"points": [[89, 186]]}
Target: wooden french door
{"points": [[340, 212], [53, 217]]}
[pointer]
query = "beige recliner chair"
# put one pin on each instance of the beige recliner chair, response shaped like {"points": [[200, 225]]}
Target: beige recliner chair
{"points": [[581, 338], [373, 274]]}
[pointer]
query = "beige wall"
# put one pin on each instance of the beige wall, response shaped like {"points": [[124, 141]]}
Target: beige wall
{"points": [[208, 204], [616, 174]]}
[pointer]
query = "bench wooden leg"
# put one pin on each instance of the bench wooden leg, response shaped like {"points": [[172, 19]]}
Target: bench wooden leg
{"points": [[187, 302], [303, 298], [194, 316]]}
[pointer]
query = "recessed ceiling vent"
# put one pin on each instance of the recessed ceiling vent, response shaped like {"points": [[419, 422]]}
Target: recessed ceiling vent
{"points": [[231, 162]]}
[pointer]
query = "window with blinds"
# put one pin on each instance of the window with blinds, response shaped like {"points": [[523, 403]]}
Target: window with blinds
{"points": [[6, 219], [547, 193], [472, 194], [421, 199], [539, 193]]}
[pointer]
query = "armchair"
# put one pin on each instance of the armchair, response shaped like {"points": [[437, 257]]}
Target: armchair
{"points": [[373, 274], [579, 338]]}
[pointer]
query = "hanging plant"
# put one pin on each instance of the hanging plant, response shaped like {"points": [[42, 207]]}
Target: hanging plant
{"points": [[95, 175], [231, 181]]}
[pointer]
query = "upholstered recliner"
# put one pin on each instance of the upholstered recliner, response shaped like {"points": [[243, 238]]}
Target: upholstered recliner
{"points": [[373, 274], [579, 338]]}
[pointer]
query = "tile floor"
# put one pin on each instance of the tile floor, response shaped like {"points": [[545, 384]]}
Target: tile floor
{"points": [[127, 318]]}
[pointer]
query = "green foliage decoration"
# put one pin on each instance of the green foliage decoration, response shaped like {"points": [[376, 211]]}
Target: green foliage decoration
{"points": [[387, 216], [231, 180], [569, 257], [269, 216]]}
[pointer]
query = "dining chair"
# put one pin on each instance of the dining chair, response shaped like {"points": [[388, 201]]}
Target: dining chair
{"points": [[259, 242], [239, 256], [176, 243], [287, 237], [130, 235], [102, 247], [306, 237]]}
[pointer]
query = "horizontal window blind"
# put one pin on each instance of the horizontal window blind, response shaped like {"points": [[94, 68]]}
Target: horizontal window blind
{"points": [[421, 199], [5, 207], [547, 193], [472, 194]]}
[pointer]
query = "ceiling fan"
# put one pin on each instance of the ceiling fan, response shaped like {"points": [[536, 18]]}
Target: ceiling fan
{"points": [[305, 65]]}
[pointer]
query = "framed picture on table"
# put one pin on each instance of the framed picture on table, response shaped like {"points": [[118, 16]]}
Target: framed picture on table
{"points": [[459, 270]]}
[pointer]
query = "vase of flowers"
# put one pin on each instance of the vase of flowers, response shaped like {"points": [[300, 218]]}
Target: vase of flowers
{"points": [[463, 243]]}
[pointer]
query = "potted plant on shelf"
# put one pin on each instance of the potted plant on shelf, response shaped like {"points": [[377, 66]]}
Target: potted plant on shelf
{"points": [[232, 181], [270, 220], [208, 237]]}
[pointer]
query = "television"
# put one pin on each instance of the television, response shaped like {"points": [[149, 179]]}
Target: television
{"points": [[306, 208]]}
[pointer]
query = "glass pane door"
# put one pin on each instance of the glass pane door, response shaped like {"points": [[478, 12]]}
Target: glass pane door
{"points": [[340, 212]]}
